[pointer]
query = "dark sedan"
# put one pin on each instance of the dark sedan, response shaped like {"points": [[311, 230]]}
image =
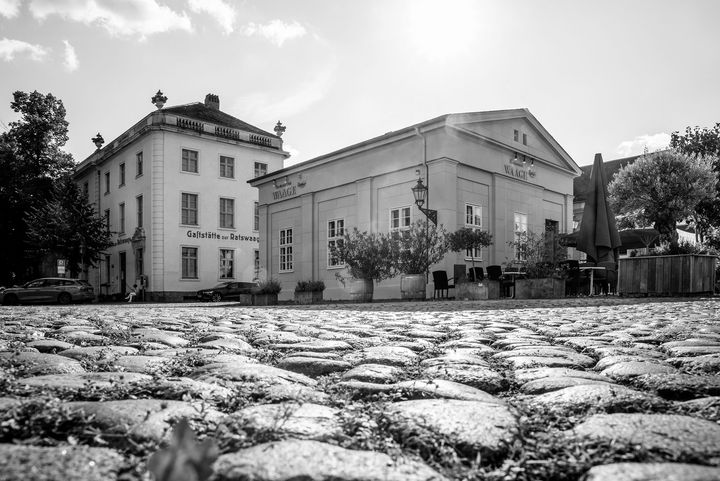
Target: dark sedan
{"points": [[49, 289], [226, 290]]}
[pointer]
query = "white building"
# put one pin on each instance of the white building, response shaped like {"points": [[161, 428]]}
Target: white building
{"points": [[174, 194]]}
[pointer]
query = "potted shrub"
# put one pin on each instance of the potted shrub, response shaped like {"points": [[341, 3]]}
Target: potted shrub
{"points": [[309, 292], [470, 240], [368, 257], [539, 256], [417, 249], [266, 294]]}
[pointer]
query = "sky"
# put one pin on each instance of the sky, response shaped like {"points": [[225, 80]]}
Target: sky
{"points": [[609, 77]]}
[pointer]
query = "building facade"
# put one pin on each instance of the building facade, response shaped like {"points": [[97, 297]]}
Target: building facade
{"points": [[173, 192], [499, 171]]}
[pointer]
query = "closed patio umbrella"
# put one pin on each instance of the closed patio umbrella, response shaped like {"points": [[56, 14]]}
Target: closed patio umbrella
{"points": [[598, 236]]}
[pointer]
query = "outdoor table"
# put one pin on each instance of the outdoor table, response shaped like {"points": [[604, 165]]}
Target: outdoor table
{"points": [[592, 270], [513, 274]]}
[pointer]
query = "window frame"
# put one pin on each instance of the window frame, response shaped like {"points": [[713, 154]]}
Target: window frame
{"points": [[285, 250], [256, 216], [121, 220], [107, 219], [230, 165], [190, 209], [139, 210], [263, 170], [401, 218], [224, 215], [139, 164], [222, 260], [184, 273], [185, 161], [121, 174], [107, 182], [471, 223], [333, 237], [517, 227]]}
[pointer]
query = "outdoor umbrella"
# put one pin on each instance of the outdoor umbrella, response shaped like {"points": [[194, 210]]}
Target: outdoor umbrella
{"points": [[598, 236]]}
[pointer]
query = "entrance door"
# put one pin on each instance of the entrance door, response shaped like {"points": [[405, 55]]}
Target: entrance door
{"points": [[123, 273], [552, 228]]}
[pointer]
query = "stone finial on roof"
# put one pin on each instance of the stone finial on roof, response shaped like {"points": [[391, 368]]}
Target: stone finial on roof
{"points": [[159, 99], [212, 101], [98, 140], [279, 129]]}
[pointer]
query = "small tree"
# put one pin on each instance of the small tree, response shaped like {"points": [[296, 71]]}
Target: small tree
{"points": [[419, 247], [662, 188], [366, 255], [539, 253], [68, 226], [469, 239]]}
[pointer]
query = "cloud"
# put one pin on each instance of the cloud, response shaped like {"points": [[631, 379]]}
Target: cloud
{"points": [[9, 8], [9, 48], [223, 13], [637, 145], [277, 31], [264, 107], [71, 60], [127, 18]]}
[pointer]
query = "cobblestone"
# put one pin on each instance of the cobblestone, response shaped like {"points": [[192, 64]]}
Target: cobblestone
{"points": [[593, 389]]}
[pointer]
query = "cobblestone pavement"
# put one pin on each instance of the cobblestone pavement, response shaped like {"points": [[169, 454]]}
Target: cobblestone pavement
{"points": [[596, 389]]}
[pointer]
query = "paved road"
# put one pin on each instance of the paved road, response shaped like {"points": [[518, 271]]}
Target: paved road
{"points": [[593, 389]]}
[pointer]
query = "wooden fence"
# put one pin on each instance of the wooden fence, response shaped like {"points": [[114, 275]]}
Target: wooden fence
{"points": [[684, 274]]}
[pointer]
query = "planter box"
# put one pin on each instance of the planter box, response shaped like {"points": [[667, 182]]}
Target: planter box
{"points": [[245, 299], [471, 291], [544, 288], [265, 299], [685, 274], [412, 286], [311, 297], [360, 290]]}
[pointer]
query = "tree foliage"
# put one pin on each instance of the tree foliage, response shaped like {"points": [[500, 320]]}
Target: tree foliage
{"points": [[704, 142], [68, 226], [31, 160], [419, 247], [367, 255], [469, 239], [661, 189]]}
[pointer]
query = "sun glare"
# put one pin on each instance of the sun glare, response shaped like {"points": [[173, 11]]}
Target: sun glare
{"points": [[442, 29]]}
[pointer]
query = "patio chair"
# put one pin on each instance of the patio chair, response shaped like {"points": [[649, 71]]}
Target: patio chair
{"points": [[442, 284], [607, 280], [476, 274], [494, 273], [572, 282]]}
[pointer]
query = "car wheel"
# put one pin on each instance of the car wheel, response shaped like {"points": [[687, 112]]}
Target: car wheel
{"points": [[216, 297], [64, 298], [10, 300]]}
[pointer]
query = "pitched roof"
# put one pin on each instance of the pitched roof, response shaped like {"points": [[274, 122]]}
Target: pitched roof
{"points": [[199, 111]]}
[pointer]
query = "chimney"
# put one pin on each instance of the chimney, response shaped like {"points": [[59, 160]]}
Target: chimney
{"points": [[212, 101]]}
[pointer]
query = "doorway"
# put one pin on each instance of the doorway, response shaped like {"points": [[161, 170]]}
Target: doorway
{"points": [[123, 273]]}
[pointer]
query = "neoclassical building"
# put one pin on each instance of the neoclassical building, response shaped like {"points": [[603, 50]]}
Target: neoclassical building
{"points": [[499, 171], [173, 191]]}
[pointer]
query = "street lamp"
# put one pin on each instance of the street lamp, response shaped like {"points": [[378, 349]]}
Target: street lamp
{"points": [[420, 193]]}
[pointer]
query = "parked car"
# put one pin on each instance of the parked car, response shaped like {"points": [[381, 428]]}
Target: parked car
{"points": [[226, 290], [49, 289]]}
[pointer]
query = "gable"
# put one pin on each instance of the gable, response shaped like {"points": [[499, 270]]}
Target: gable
{"points": [[499, 128]]}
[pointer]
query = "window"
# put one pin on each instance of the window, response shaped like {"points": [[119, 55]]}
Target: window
{"points": [[107, 269], [122, 174], [227, 167], [139, 164], [399, 219], [256, 216], [227, 213], [107, 219], [122, 218], [516, 135], [227, 262], [524, 139], [473, 220], [519, 229], [335, 232], [107, 182], [189, 161], [260, 169], [86, 190], [286, 250], [189, 209], [139, 204], [189, 262], [256, 264]]}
